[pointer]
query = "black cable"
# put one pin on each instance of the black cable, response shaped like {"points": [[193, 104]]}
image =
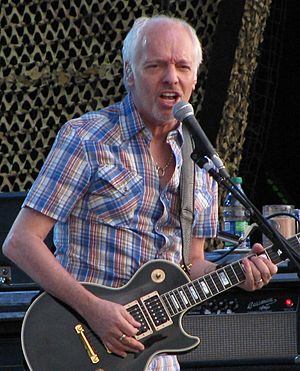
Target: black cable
{"points": [[227, 252], [286, 214], [273, 235]]}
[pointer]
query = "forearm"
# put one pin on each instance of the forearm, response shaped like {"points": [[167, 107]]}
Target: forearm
{"points": [[30, 253], [109, 320], [201, 267]]}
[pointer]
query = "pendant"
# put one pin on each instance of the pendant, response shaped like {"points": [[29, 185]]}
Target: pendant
{"points": [[160, 171]]}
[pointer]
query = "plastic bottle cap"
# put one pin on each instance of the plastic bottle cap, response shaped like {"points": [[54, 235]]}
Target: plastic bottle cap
{"points": [[237, 180]]}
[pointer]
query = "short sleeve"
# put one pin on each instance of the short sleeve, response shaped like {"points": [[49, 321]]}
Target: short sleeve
{"points": [[64, 177], [206, 205]]}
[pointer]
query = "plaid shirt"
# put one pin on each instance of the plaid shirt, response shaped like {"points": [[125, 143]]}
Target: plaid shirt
{"points": [[100, 183]]}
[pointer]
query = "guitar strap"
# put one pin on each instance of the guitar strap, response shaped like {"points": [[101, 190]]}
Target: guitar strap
{"points": [[186, 189]]}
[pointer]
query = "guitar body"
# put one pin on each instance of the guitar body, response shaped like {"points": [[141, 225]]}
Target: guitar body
{"points": [[50, 341]]}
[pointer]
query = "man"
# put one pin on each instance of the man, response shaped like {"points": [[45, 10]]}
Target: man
{"points": [[110, 187]]}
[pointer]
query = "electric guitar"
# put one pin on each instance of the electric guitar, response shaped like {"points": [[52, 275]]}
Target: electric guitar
{"points": [[55, 338]]}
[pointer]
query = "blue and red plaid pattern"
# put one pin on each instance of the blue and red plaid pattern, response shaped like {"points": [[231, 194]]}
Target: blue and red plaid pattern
{"points": [[100, 183]]}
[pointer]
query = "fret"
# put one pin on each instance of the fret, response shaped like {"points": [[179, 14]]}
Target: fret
{"points": [[211, 285], [184, 296], [204, 288], [296, 241], [277, 255], [239, 271], [217, 281], [231, 274], [267, 254], [172, 303], [168, 303], [189, 293], [273, 255], [179, 299], [176, 305], [197, 291], [224, 278], [194, 293]]}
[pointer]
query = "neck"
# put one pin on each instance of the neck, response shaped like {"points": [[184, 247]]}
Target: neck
{"points": [[160, 132]]}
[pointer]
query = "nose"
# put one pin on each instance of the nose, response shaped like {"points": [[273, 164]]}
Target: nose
{"points": [[170, 75]]}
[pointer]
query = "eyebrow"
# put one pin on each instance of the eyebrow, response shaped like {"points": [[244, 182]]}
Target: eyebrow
{"points": [[160, 60]]}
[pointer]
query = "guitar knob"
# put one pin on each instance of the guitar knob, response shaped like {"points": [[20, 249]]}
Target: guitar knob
{"points": [[158, 275]]}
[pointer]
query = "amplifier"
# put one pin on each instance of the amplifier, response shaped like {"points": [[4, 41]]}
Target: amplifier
{"points": [[10, 274], [239, 327]]}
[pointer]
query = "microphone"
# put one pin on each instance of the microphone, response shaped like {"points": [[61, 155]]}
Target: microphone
{"points": [[184, 112]]}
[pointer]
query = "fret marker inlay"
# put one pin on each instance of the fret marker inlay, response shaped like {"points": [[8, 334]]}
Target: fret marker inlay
{"points": [[194, 293], [183, 297], [204, 287], [224, 279], [175, 301]]}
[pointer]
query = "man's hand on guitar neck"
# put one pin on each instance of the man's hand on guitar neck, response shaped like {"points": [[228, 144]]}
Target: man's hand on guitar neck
{"points": [[258, 269], [114, 325]]}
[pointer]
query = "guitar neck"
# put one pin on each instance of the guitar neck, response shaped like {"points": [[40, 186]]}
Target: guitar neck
{"points": [[197, 291]]}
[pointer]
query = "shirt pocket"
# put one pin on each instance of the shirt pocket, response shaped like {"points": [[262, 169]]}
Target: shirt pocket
{"points": [[115, 195]]}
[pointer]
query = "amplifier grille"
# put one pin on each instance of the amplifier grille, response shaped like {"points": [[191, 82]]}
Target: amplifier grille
{"points": [[246, 336]]}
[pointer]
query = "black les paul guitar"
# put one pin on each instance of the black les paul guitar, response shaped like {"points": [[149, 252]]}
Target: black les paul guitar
{"points": [[55, 338]]}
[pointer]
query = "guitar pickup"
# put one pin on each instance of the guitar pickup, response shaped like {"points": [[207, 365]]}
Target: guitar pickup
{"points": [[156, 310], [137, 313]]}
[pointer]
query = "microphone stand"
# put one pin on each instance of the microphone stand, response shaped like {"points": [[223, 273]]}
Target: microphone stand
{"points": [[283, 247]]}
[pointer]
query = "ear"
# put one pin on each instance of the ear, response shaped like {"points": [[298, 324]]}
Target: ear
{"points": [[195, 79], [129, 74], [194, 83]]}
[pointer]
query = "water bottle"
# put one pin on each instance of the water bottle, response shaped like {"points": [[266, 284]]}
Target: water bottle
{"points": [[235, 216]]}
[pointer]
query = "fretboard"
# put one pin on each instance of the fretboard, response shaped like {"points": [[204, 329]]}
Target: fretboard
{"points": [[197, 291]]}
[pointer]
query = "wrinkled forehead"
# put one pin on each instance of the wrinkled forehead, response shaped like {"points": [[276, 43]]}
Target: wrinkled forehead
{"points": [[160, 39]]}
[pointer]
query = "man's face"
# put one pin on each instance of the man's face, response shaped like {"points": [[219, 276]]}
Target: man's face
{"points": [[165, 73]]}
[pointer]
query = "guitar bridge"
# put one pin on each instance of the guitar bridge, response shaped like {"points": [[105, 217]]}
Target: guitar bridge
{"points": [[156, 310], [135, 310]]}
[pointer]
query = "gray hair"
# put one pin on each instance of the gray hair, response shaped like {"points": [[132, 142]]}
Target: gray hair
{"points": [[134, 36]]}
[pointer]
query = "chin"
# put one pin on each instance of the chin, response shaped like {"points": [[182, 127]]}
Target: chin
{"points": [[166, 120], [164, 116]]}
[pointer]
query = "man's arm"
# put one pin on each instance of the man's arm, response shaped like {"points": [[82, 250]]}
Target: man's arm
{"points": [[199, 265], [25, 246]]}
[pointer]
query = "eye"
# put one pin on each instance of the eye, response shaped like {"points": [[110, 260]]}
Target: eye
{"points": [[185, 67], [152, 66]]}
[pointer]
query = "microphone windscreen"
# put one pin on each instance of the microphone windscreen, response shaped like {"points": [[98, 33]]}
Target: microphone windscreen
{"points": [[182, 109]]}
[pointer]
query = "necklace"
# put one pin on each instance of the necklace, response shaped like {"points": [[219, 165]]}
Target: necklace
{"points": [[162, 170]]}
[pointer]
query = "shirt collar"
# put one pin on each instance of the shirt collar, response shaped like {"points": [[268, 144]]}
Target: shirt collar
{"points": [[131, 122], [177, 134]]}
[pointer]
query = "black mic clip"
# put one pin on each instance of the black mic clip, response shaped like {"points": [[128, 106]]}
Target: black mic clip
{"points": [[206, 163]]}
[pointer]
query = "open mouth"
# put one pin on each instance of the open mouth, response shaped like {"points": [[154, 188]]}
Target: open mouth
{"points": [[170, 97]]}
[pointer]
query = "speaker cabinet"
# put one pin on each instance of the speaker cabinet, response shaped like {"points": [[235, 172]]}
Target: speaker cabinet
{"points": [[10, 274], [239, 327]]}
